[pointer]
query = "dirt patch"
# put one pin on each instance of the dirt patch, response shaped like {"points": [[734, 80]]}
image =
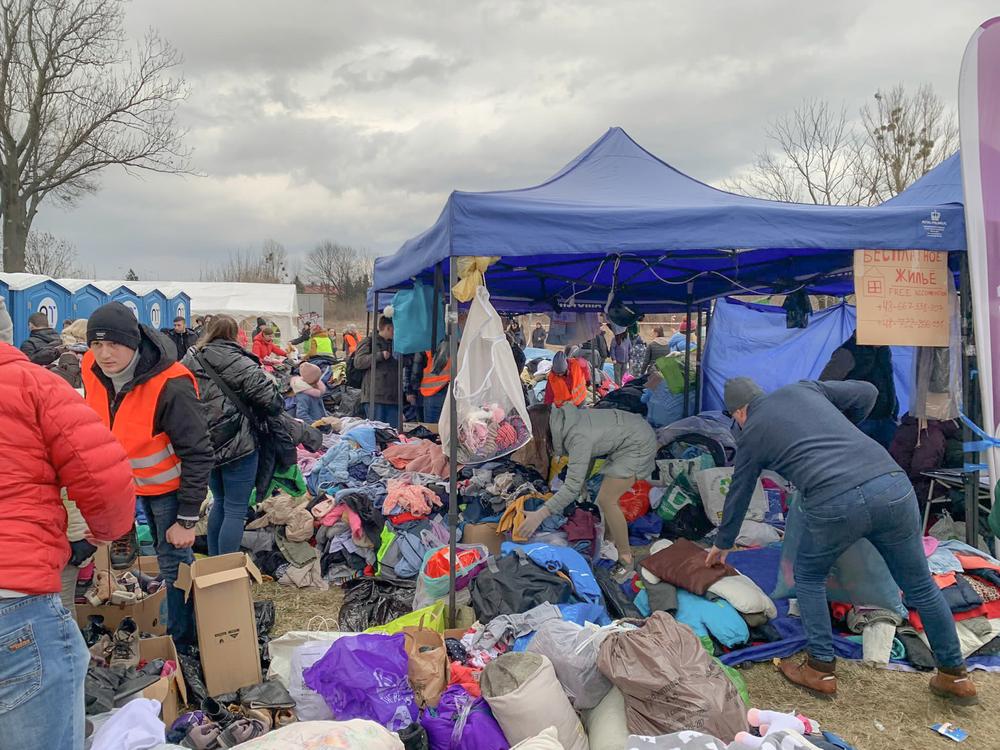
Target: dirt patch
{"points": [[301, 610]]}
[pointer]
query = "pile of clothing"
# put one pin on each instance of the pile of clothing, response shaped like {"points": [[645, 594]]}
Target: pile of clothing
{"points": [[488, 432]]}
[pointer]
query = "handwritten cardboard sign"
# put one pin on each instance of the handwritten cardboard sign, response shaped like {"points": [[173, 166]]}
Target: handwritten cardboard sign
{"points": [[902, 297]]}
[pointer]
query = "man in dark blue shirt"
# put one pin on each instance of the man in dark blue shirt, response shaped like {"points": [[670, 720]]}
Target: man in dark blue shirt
{"points": [[851, 489]]}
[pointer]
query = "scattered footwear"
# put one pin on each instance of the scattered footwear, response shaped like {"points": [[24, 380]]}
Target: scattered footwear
{"points": [[284, 717], [124, 550], [95, 630], [100, 650], [622, 573], [101, 589], [957, 688], [262, 715], [202, 737], [125, 645], [240, 731], [814, 676], [217, 713]]}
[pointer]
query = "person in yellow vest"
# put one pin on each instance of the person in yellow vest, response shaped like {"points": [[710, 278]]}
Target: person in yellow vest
{"points": [[432, 375], [567, 381], [150, 402], [320, 344], [351, 339]]}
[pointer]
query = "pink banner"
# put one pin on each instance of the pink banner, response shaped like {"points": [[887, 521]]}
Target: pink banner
{"points": [[979, 121]]}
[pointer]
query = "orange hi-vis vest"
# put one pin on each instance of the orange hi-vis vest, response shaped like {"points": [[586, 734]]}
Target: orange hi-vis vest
{"points": [[351, 342], [571, 387], [155, 466], [431, 383]]}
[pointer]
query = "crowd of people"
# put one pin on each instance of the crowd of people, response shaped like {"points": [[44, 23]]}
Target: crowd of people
{"points": [[168, 415]]}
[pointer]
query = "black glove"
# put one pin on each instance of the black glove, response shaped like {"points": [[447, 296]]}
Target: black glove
{"points": [[82, 551]]}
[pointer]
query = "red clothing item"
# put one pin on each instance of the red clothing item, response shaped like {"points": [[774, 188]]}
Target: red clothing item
{"points": [[263, 348], [50, 439]]}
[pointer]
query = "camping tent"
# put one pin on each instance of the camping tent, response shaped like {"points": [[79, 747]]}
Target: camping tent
{"points": [[245, 302], [617, 216]]}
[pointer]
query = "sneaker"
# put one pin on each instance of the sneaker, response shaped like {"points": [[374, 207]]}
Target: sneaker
{"points": [[284, 717], [240, 731], [957, 688], [217, 713], [125, 550], [94, 630], [101, 589], [100, 651], [125, 644], [202, 737], [814, 676]]}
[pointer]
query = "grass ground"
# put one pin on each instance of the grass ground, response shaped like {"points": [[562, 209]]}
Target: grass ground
{"points": [[876, 710]]}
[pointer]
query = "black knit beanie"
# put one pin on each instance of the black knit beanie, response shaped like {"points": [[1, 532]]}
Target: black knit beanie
{"points": [[113, 322]]}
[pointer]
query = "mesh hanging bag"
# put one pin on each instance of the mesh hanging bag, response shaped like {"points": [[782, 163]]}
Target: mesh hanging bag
{"points": [[492, 416]]}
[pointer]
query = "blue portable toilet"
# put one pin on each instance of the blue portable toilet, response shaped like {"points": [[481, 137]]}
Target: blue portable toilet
{"points": [[179, 304], [154, 306], [121, 291], [30, 293], [85, 297]]}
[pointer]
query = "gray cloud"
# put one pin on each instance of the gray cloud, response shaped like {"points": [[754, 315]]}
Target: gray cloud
{"points": [[354, 121]]}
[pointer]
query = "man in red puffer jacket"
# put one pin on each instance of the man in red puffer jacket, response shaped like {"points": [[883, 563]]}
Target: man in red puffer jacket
{"points": [[49, 439]]}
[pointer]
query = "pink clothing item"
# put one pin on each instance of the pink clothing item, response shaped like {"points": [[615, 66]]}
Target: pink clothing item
{"points": [[353, 520], [930, 544], [310, 373], [419, 456], [416, 499]]}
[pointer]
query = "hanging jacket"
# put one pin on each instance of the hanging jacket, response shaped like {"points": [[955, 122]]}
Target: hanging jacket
{"points": [[386, 371], [52, 439], [162, 413], [870, 364], [432, 382], [233, 435], [321, 344], [263, 348], [625, 440]]}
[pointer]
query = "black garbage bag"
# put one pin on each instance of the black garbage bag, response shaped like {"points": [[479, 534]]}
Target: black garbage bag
{"points": [[264, 612], [369, 602], [193, 677], [689, 523], [414, 737], [514, 584]]}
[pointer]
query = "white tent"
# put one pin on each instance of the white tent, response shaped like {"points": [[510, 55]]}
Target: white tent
{"points": [[273, 302]]}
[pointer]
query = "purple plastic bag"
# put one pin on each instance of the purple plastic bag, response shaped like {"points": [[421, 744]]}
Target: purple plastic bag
{"points": [[365, 677], [462, 722]]}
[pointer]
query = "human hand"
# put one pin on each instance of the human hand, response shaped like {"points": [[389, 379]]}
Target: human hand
{"points": [[180, 537], [715, 557], [411, 399], [532, 520], [386, 355]]}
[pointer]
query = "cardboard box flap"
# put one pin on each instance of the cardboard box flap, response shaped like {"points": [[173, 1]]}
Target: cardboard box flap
{"points": [[214, 579], [210, 571]]}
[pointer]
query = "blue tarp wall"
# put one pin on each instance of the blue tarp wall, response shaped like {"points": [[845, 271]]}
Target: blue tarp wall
{"points": [[752, 340]]}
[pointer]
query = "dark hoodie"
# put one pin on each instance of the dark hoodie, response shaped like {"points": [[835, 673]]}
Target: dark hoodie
{"points": [[179, 414], [39, 339]]}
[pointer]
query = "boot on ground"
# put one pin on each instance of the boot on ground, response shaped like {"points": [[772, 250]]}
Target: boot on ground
{"points": [[956, 686], [817, 677]]}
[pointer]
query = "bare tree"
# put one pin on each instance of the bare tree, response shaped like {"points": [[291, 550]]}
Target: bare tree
{"points": [[822, 156], [906, 136], [269, 265], [75, 98], [131, 275], [50, 256], [344, 273]]}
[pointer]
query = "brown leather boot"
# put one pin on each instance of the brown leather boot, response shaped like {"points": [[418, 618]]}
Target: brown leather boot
{"points": [[955, 686], [817, 677]]}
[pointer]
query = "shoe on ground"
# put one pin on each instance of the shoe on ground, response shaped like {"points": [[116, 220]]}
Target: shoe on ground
{"points": [[284, 716], [216, 713], [240, 731], [957, 688], [814, 676], [124, 550], [125, 645]]}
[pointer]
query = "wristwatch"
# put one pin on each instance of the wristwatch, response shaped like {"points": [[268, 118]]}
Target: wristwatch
{"points": [[186, 523]]}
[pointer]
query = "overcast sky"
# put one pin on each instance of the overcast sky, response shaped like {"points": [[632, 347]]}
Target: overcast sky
{"points": [[315, 119]]}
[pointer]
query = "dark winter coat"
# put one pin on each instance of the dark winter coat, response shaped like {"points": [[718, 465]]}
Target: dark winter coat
{"points": [[39, 339], [233, 436], [869, 364], [183, 340], [386, 371]]}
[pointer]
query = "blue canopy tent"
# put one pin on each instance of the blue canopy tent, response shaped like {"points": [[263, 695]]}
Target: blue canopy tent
{"points": [[618, 217]]}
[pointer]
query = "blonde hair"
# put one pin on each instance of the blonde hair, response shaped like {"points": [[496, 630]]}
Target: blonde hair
{"points": [[75, 332]]}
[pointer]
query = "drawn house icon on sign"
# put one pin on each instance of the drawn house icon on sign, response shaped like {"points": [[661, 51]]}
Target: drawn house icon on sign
{"points": [[874, 283]]}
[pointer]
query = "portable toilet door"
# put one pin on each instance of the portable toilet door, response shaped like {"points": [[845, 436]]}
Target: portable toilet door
{"points": [[125, 295], [31, 293], [180, 307], [85, 297], [154, 309]]}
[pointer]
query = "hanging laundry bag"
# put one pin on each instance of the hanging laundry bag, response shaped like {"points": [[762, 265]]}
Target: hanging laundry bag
{"points": [[492, 416]]}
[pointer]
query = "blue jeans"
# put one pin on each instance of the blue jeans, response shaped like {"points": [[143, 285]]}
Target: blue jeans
{"points": [[388, 413], [231, 485], [433, 405], [43, 661], [161, 513], [884, 511]]}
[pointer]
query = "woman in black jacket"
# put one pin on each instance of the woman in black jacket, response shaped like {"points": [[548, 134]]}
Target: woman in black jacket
{"points": [[233, 411]]}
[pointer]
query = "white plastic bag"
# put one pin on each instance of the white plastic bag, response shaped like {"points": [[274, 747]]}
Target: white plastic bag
{"points": [[492, 416]]}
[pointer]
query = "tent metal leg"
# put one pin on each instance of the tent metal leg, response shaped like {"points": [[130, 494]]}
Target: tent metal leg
{"points": [[452, 447], [697, 359], [970, 404], [375, 356], [687, 359], [399, 393]]}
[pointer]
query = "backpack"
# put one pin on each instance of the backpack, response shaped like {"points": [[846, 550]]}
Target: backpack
{"points": [[355, 377]]}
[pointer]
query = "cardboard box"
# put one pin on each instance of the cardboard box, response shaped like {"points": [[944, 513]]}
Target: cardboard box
{"points": [[170, 691], [149, 614], [483, 533], [227, 628]]}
